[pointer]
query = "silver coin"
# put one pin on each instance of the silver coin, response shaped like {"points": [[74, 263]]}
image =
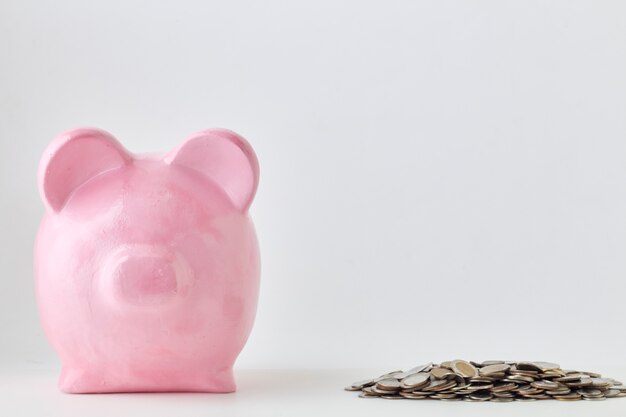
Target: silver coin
{"points": [[560, 391], [576, 376], [546, 366], [493, 369], [360, 385], [590, 392], [601, 382], [388, 384], [441, 396], [487, 363], [545, 385], [415, 380], [420, 368]]}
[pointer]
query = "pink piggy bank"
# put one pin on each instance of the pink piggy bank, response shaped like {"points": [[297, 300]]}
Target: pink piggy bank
{"points": [[147, 266]]}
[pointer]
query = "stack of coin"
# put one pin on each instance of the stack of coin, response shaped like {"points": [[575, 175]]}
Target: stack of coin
{"points": [[497, 381]]}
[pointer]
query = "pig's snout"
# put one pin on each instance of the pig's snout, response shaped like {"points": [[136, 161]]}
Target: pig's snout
{"points": [[141, 275], [145, 280]]}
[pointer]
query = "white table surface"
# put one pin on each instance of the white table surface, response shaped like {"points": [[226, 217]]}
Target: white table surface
{"points": [[31, 390]]}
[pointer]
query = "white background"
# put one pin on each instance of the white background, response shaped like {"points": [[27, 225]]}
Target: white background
{"points": [[440, 179]]}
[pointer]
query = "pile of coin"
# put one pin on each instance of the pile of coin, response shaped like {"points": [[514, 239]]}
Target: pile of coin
{"points": [[497, 381]]}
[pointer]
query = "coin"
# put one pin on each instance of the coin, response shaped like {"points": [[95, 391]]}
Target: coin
{"points": [[376, 390], [568, 397], [442, 396], [415, 381], [546, 366], [420, 368], [601, 382], [356, 386], [519, 378], [413, 396], [611, 393], [439, 384], [504, 386], [441, 373], [493, 369], [388, 384], [481, 395], [560, 391], [487, 363], [572, 377], [463, 368], [590, 392], [544, 384], [582, 383], [527, 366], [501, 399]]}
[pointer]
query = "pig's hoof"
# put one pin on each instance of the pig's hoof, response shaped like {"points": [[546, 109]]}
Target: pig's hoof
{"points": [[79, 381]]}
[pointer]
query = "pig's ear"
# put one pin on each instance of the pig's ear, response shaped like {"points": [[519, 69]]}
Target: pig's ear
{"points": [[72, 159], [224, 157]]}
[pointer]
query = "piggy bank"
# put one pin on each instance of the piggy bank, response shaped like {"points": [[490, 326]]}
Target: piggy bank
{"points": [[147, 266]]}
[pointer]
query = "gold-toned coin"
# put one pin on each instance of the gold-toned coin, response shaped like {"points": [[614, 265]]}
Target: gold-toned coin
{"points": [[441, 373], [463, 368], [574, 396]]}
